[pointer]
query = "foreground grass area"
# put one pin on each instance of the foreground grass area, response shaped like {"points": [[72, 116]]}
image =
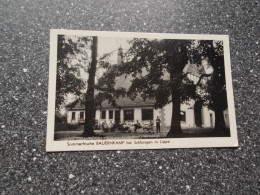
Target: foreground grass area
{"points": [[141, 134]]}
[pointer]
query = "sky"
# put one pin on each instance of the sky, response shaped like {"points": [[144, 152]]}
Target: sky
{"points": [[105, 45], [108, 44]]}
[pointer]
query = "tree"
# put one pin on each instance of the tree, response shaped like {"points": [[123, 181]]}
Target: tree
{"points": [[89, 96], [67, 81], [106, 87], [73, 56], [157, 70], [216, 96]]}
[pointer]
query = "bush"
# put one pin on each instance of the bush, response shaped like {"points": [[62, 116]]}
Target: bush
{"points": [[67, 127]]}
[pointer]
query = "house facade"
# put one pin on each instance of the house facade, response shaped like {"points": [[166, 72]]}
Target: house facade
{"points": [[144, 113]]}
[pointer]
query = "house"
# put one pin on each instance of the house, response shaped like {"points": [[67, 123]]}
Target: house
{"points": [[192, 114], [130, 111]]}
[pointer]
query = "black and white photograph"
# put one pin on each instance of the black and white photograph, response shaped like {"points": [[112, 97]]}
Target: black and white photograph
{"points": [[116, 90]]}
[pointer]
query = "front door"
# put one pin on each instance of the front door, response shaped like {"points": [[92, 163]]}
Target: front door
{"points": [[117, 117]]}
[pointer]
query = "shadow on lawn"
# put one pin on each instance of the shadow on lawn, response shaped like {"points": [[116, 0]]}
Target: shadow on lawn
{"points": [[187, 133], [195, 134]]}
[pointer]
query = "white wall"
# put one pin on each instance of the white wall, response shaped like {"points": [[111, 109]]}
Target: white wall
{"points": [[157, 112], [165, 114], [77, 116], [107, 115], [121, 115], [206, 121], [190, 120], [190, 117], [68, 116], [226, 117], [138, 114], [98, 115]]}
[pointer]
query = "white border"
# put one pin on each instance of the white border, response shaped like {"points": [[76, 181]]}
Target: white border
{"points": [[56, 146]]}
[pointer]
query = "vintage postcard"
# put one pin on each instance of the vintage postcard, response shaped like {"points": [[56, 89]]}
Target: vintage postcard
{"points": [[125, 91]]}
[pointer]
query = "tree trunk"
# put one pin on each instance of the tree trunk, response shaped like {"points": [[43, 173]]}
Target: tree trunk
{"points": [[90, 99], [176, 117], [220, 104], [220, 126]]}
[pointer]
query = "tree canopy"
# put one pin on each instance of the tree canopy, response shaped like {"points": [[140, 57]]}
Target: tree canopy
{"points": [[156, 67], [216, 94], [71, 57]]}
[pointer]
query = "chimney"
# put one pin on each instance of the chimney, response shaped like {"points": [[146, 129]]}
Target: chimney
{"points": [[120, 55]]}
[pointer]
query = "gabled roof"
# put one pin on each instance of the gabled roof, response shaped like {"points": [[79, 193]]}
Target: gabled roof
{"points": [[78, 106], [126, 102], [123, 102]]}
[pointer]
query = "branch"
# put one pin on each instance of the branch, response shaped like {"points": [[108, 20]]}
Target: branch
{"points": [[106, 55], [201, 77], [183, 76]]}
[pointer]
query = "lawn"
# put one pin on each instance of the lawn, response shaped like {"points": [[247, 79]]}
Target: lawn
{"points": [[140, 134]]}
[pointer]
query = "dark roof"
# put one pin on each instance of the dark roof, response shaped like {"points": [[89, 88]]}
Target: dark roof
{"points": [[125, 102], [79, 106]]}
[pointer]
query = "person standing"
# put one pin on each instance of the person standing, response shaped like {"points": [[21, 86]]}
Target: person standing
{"points": [[158, 125], [137, 125]]}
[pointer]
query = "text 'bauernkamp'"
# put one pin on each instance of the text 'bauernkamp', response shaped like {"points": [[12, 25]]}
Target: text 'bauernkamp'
{"points": [[109, 142]]}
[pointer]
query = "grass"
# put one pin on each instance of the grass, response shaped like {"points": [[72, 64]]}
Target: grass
{"points": [[141, 134]]}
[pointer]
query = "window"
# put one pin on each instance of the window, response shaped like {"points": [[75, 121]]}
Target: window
{"points": [[81, 115], [147, 114], [128, 115], [183, 116], [110, 114], [73, 116], [103, 114]]}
